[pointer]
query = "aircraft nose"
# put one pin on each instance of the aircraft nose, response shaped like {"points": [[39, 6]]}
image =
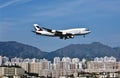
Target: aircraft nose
{"points": [[89, 31]]}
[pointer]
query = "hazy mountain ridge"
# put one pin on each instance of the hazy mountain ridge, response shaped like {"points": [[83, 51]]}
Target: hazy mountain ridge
{"points": [[95, 49], [15, 49], [90, 51]]}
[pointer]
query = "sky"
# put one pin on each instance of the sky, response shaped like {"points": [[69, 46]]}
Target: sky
{"points": [[102, 17]]}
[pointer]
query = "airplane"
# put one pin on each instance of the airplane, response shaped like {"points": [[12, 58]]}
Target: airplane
{"points": [[62, 34]]}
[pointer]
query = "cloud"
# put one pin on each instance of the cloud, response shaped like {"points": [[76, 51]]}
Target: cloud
{"points": [[8, 4], [13, 2]]}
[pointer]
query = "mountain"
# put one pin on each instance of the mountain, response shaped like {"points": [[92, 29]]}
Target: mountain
{"points": [[15, 49], [89, 51], [117, 49], [95, 49]]}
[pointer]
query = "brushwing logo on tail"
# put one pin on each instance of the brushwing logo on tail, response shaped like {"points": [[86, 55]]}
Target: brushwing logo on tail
{"points": [[37, 27]]}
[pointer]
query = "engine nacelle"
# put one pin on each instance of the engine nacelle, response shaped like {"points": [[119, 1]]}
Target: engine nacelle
{"points": [[64, 33], [67, 37], [53, 31], [72, 36]]}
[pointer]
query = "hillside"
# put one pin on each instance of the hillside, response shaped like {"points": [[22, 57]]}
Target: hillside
{"points": [[15, 49], [90, 51], [95, 49]]}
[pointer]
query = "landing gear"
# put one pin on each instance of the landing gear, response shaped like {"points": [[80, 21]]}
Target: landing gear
{"points": [[61, 37], [84, 36], [66, 37], [71, 36]]}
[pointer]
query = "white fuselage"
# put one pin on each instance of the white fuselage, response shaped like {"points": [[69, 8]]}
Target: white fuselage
{"points": [[75, 31], [63, 34], [46, 33]]}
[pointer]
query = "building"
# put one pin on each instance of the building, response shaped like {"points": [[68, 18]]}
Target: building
{"points": [[35, 67], [105, 59], [24, 65], [56, 60], [11, 71], [5, 59], [75, 60], [0, 60], [66, 67], [66, 59]]}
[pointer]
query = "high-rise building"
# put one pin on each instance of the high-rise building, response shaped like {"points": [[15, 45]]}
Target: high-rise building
{"points": [[45, 64], [107, 66], [11, 71], [66, 59], [105, 59], [0, 60], [16, 60], [75, 60], [80, 65], [24, 65], [35, 67], [5, 59], [72, 66], [56, 60]]}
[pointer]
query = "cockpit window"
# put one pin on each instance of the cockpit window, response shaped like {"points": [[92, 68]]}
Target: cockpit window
{"points": [[87, 29]]}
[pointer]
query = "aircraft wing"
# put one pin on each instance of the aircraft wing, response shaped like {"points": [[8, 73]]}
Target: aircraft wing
{"points": [[53, 31], [64, 35], [59, 33], [49, 30]]}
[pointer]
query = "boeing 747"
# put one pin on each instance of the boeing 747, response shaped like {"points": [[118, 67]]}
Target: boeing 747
{"points": [[62, 34]]}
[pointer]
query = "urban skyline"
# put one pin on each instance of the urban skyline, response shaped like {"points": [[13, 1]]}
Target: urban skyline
{"points": [[65, 66], [101, 17]]}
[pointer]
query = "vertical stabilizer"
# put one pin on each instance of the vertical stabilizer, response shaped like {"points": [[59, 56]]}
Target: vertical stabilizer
{"points": [[37, 27]]}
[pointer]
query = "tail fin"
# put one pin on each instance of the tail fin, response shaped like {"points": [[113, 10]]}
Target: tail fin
{"points": [[37, 27]]}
